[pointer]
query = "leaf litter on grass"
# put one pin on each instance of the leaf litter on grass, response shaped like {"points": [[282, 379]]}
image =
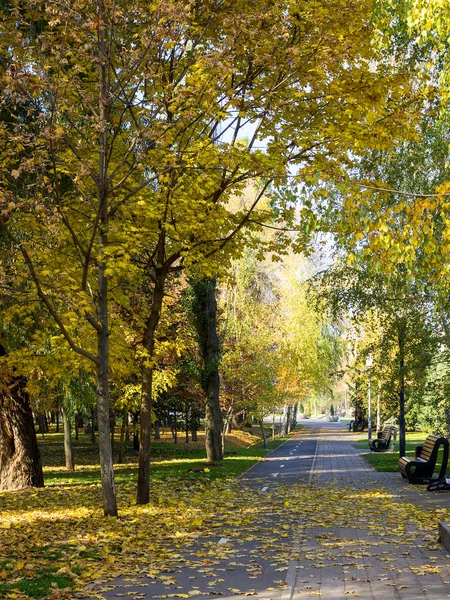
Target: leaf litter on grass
{"points": [[60, 533]]}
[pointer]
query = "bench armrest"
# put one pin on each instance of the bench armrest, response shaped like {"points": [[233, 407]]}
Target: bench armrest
{"points": [[418, 450]]}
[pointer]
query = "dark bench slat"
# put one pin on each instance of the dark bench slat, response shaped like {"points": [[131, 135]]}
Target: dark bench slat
{"points": [[421, 468]]}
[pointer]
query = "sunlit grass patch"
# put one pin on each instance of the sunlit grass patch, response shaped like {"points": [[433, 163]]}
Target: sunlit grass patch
{"points": [[388, 461]]}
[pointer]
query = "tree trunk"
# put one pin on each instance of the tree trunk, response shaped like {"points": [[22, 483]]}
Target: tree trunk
{"points": [[77, 424], [127, 430], [401, 420], [378, 409], [57, 421], [122, 435], [283, 428], [143, 489], [102, 328], [228, 421], [68, 450], [289, 419], [175, 428], [205, 312], [136, 431], [186, 424], [157, 431], [194, 435], [195, 425], [263, 433], [20, 461], [42, 424], [104, 431]]}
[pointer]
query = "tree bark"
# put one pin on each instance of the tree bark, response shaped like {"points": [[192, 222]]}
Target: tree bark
{"points": [[122, 435], [186, 424], [143, 488], [20, 460], [283, 429], [68, 450], [206, 323], [401, 420], [263, 433], [102, 396], [289, 419], [104, 431]]}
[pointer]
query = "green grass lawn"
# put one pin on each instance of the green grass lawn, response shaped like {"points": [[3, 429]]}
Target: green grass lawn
{"points": [[169, 460], [387, 461]]}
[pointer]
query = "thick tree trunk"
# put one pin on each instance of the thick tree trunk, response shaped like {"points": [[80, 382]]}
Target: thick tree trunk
{"points": [[68, 450], [206, 323], [20, 461]]}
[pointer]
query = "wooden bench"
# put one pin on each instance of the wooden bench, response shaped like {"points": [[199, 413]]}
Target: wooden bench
{"points": [[421, 468], [383, 441]]}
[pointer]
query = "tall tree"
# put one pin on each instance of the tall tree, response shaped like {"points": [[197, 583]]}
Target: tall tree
{"points": [[137, 147]]}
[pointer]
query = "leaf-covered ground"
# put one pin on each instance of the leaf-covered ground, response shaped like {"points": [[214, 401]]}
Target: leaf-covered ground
{"points": [[56, 543], [54, 539], [63, 537]]}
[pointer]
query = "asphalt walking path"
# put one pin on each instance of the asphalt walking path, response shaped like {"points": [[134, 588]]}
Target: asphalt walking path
{"points": [[351, 532]]}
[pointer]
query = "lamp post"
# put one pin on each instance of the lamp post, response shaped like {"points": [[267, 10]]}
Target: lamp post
{"points": [[369, 362]]}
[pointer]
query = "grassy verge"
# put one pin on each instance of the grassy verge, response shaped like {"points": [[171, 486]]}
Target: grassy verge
{"points": [[388, 461]]}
